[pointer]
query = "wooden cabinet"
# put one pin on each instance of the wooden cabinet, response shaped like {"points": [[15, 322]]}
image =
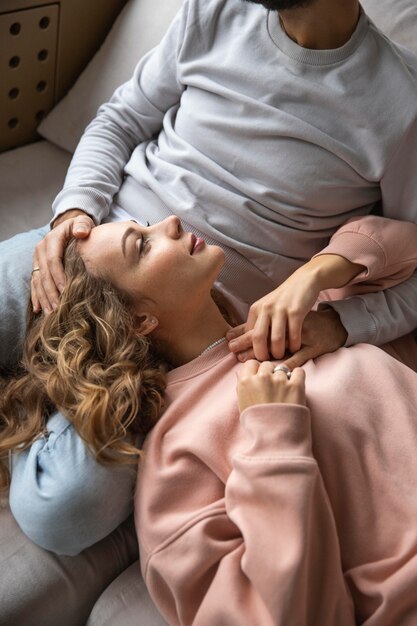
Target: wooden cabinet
{"points": [[43, 49]]}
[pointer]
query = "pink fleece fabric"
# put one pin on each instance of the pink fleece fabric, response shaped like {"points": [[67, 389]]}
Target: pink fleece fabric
{"points": [[285, 515]]}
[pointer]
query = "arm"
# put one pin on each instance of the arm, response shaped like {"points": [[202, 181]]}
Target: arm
{"points": [[381, 317], [134, 114], [386, 248], [62, 498], [366, 257], [266, 554]]}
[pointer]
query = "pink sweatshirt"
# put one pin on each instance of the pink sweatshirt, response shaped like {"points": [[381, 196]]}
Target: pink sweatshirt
{"points": [[284, 516]]}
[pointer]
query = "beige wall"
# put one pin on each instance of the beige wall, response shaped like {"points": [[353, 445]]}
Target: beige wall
{"points": [[29, 89]]}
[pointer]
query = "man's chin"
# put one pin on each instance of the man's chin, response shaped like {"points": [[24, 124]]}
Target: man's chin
{"points": [[281, 5]]}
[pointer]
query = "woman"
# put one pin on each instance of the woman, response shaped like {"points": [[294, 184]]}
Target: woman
{"points": [[165, 278]]}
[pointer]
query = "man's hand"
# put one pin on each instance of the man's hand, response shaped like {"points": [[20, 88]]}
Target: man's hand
{"points": [[322, 332], [49, 280]]}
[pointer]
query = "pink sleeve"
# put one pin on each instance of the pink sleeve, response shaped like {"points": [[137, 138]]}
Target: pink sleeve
{"points": [[266, 554], [386, 247]]}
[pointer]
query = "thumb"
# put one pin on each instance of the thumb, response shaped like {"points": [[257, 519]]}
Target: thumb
{"points": [[82, 226], [299, 358]]}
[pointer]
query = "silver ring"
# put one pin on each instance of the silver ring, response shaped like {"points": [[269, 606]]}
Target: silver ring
{"points": [[35, 269], [283, 368]]}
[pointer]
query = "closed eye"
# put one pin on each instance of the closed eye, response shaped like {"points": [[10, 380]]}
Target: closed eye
{"points": [[145, 245]]}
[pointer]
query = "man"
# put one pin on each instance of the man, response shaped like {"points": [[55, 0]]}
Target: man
{"points": [[263, 131]]}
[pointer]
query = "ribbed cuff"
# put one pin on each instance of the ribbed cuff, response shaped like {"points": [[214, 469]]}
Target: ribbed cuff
{"points": [[358, 248], [87, 200], [277, 430], [355, 317]]}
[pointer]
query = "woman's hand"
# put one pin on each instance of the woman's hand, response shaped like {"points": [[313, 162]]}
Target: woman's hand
{"points": [[275, 322], [48, 281], [258, 384]]}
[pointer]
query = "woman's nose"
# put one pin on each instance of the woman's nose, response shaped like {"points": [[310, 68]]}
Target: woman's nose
{"points": [[173, 226]]}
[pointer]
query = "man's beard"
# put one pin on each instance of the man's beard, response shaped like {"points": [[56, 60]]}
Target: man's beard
{"points": [[281, 5]]}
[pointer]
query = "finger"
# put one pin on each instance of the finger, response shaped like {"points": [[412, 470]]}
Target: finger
{"points": [[248, 369], [278, 335], [295, 323], [36, 278], [299, 358], [245, 356], [260, 338], [235, 332], [242, 343], [253, 316], [43, 281], [298, 377], [298, 386], [39, 294], [36, 305], [266, 367], [55, 280], [82, 226]]}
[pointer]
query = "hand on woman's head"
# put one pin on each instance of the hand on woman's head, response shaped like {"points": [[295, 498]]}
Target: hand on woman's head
{"points": [[48, 277]]}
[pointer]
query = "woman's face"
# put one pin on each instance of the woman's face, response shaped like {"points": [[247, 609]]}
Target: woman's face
{"points": [[161, 264]]}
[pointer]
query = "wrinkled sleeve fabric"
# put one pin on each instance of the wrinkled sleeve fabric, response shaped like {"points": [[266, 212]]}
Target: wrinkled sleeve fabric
{"points": [[378, 318], [379, 304], [134, 114], [266, 554], [61, 497]]}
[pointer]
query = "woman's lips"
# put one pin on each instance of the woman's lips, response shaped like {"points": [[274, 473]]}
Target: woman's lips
{"points": [[198, 243]]}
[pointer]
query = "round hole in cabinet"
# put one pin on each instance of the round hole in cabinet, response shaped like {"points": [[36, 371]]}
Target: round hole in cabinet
{"points": [[44, 22], [15, 28], [14, 62]]}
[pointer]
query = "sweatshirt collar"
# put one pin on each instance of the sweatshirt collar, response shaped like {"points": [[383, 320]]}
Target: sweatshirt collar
{"points": [[200, 364], [315, 57]]}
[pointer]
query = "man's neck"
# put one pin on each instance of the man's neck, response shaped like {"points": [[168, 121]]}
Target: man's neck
{"points": [[323, 24]]}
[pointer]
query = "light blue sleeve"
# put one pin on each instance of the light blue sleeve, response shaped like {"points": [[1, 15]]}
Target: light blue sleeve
{"points": [[61, 497]]}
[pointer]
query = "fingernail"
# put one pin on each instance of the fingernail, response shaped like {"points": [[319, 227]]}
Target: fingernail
{"points": [[230, 335], [242, 356], [81, 229], [232, 345], [61, 287], [54, 306]]}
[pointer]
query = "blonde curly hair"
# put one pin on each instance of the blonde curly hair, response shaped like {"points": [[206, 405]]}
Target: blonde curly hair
{"points": [[87, 360]]}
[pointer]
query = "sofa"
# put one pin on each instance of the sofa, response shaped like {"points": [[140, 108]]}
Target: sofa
{"points": [[32, 175]]}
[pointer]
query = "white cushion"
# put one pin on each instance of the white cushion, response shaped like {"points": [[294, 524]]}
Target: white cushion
{"points": [[396, 18], [139, 27], [31, 177]]}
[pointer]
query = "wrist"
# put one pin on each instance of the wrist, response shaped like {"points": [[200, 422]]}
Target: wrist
{"points": [[332, 271], [335, 325], [71, 213]]}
